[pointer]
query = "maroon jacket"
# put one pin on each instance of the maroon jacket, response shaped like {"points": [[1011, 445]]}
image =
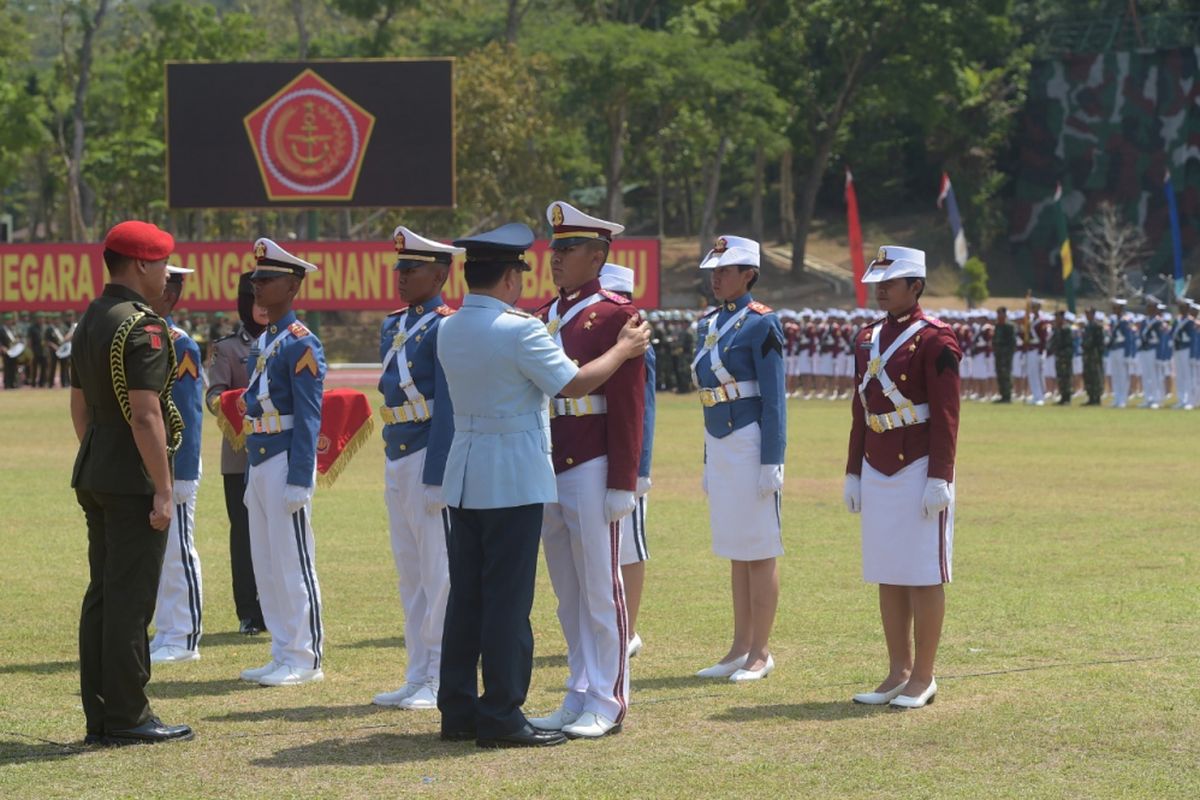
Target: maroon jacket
{"points": [[925, 371], [618, 433]]}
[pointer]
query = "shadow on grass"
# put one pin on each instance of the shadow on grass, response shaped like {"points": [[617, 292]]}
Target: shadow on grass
{"points": [[674, 682], [380, 748], [40, 668], [388, 642], [23, 752], [828, 710], [233, 637], [176, 689], [550, 660], [304, 714]]}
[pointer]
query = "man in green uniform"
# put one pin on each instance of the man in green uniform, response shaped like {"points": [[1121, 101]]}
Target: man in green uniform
{"points": [[1004, 344], [1093, 358], [1062, 348], [122, 368]]}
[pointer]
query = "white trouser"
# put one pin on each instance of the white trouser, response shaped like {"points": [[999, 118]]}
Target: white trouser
{"points": [[1151, 379], [1118, 370], [177, 615], [285, 566], [1033, 371], [582, 553], [633, 535], [419, 549], [1184, 388], [1195, 381]]}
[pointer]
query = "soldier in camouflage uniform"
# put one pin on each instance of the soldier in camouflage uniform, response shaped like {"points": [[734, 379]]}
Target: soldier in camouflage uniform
{"points": [[1004, 344], [1062, 347], [686, 339], [1093, 358]]}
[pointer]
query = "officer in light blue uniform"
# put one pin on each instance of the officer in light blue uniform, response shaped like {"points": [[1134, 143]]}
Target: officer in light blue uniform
{"points": [[417, 428], [283, 421], [501, 367], [1182, 334], [738, 366], [177, 615], [1150, 337], [1122, 350]]}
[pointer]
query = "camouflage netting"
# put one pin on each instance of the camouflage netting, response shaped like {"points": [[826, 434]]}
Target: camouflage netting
{"points": [[1108, 127]]}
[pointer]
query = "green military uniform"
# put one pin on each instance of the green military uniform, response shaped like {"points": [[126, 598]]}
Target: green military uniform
{"points": [[1004, 344], [120, 345], [686, 345], [1093, 361], [1062, 345]]}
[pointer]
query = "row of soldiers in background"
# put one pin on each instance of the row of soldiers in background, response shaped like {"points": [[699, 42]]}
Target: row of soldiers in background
{"points": [[35, 347]]}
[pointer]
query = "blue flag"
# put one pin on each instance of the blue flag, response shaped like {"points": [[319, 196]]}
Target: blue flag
{"points": [[1176, 242], [946, 197]]}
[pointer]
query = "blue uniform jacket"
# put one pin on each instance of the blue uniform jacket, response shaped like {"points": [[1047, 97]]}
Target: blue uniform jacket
{"points": [[1149, 335], [1195, 342], [297, 379], [752, 351], [420, 351], [1185, 335], [1165, 344], [1124, 338], [648, 415], [188, 394]]}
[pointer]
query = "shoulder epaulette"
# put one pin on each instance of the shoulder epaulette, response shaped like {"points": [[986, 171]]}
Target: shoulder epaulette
{"points": [[145, 309], [298, 330], [176, 333], [516, 312], [444, 310], [223, 338], [399, 310], [934, 322], [759, 308], [616, 298], [708, 314], [544, 306]]}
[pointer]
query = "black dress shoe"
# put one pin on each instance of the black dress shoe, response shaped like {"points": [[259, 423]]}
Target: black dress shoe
{"points": [[461, 735], [251, 628], [527, 736], [93, 739], [152, 731]]}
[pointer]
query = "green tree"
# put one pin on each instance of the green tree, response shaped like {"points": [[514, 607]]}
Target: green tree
{"points": [[973, 285]]}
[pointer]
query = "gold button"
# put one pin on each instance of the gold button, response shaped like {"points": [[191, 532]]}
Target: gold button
{"points": [[417, 337], [419, 309], [901, 456], [731, 423], [902, 377], [273, 329], [262, 451], [575, 361], [404, 447], [410, 365], [868, 455], [570, 460]]}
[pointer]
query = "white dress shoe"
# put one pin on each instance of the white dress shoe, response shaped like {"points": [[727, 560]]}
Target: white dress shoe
{"points": [[920, 701], [591, 725], [879, 698], [425, 697], [286, 675], [169, 654], [723, 670], [252, 675], [754, 674], [394, 698], [556, 721], [634, 647]]}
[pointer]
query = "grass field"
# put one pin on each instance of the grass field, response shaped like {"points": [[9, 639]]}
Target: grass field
{"points": [[1069, 665]]}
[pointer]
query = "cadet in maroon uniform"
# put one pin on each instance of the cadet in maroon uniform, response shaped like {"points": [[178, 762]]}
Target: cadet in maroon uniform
{"points": [[597, 444], [900, 470]]}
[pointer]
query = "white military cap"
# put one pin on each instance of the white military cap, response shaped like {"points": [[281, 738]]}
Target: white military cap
{"points": [[616, 278], [271, 260], [175, 273], [1119, 301], [413, 250], [572, 226], [895, 262], [732, 251]]}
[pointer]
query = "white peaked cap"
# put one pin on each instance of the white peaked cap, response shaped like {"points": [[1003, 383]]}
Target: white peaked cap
{"points": [[415, 247], [616, 278], [175, 269], [732, 251], [569, 222], [271, 258], [893, 261]]}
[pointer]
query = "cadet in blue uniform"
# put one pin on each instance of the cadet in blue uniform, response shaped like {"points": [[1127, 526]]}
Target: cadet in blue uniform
{"points": [[418, 423], [1150, 337], [283, 419], [177, 617], [634, 552], [739, 368], [501, 368], [1122, 350], [1182, 334], [1195, 356]]}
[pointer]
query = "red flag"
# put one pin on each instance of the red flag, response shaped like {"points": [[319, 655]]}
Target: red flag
{"points": [[856, 244], [345, 425]]}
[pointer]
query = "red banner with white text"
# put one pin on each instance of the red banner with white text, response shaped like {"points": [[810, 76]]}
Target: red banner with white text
{"points": [[352, 276]]}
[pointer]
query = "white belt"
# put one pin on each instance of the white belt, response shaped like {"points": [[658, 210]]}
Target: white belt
{"points": [[418, 410], [905, 415], [578, 406], [728, 392], [273, 422]]}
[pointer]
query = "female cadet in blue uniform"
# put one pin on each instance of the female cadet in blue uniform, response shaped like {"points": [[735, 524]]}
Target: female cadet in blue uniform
{"points": [[739, 368]]}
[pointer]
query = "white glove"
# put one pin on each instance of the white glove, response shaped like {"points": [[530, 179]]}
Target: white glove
{"points": [[296, 497], [770, 479], [938, 495], [184, 491], [643, 486], [433, 499], [618, 503], [852, 493]]}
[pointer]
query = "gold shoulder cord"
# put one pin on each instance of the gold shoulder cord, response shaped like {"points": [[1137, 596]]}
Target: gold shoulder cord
{"points": [[116, 361]]}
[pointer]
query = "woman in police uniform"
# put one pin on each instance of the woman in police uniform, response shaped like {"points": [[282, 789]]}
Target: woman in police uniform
{"points": [[738, 366]]}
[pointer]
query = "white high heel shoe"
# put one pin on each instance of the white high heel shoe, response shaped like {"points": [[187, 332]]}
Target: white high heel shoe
{"points": [[754, 674], [723, 670], [879, 698], [920, 701]]}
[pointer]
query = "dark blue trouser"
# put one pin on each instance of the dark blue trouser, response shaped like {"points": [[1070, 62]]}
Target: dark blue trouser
{"points": [[493, 563]]}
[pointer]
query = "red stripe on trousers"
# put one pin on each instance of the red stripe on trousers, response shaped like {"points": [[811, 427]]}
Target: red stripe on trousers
{"points": [[614, 536]]}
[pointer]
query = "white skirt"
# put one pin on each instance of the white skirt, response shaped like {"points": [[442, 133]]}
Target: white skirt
{"points": [[899, 546], [745, 527]]}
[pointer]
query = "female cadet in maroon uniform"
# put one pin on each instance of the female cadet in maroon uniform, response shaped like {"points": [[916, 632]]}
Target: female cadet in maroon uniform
{"points": [[900, 470]]}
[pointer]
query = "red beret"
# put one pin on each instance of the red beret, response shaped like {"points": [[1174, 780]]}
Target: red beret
{"points": [[141, 240]]}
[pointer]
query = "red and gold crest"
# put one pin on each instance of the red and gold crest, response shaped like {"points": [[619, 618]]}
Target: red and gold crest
{"points": [[556, 215], [400, 243], [309, 140], [260, 251], [721, 245], [322, 444]]}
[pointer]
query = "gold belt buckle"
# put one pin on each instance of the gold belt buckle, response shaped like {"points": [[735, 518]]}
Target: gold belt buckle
{"points": [[707, 398], [874, 423], [912, 412], [424, 410]]}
